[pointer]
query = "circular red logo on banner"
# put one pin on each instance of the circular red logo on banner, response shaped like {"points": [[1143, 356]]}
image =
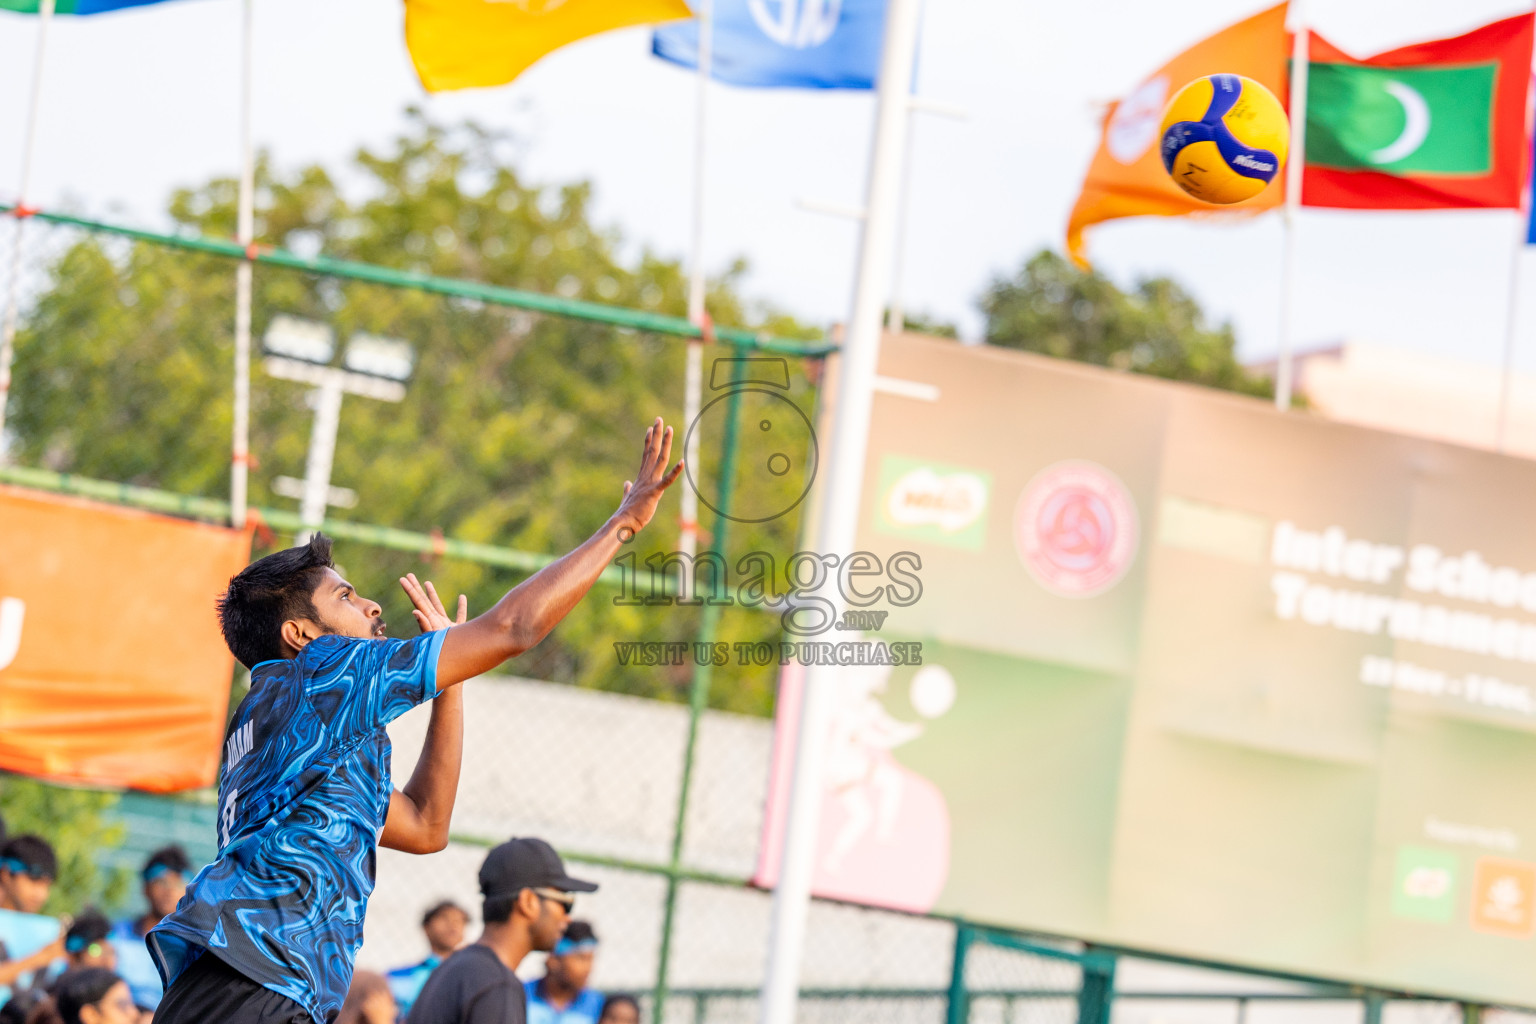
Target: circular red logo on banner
{"points": [[1076, 529]]}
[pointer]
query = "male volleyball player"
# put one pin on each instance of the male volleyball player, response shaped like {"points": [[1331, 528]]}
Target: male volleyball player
{"points": [[267, 933]]}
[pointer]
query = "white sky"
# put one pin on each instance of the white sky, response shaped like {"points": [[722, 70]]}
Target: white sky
{"points": [[139, 102]]}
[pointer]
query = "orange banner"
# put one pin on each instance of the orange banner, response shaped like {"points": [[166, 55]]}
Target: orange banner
{"points": [[1127, 178], [112, 669]]}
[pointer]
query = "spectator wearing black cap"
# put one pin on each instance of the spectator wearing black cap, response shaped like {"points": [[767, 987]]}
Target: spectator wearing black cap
{"points": [[27, 870], [443, 924], [562, 996], [164, 877], [528, 899]]}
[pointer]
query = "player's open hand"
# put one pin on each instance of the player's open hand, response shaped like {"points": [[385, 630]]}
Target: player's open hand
{"points": [[643, 493], [428, 608]]}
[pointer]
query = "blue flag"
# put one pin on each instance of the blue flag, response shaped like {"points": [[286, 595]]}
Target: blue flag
{"points": [[74, 6], [804, 44], [1530, 200]]}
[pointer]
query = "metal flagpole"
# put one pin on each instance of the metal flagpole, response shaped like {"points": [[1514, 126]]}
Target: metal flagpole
{"points": [[240, 449], [12, 288], [839, 510], [896, 318], [693, 383], [1300, 57]]}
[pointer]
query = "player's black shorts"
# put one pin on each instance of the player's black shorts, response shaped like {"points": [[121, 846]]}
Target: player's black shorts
{"points": [[211, 990]]}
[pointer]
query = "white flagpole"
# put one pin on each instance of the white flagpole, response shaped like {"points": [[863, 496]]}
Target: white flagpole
{"points": [[23, 190], [693, 384], [1296, 164], [1511, 323], [839, 512], [240, 454], [896, 319]]}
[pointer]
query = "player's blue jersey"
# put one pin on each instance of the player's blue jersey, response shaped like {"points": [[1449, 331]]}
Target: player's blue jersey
{"points": [[302, 800]]}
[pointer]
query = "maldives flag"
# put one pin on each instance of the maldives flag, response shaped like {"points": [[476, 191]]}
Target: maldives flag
{"points": [[1435, 125]]}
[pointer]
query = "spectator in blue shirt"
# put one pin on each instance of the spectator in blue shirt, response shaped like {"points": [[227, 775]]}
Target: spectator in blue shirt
{"points": [[28, 867], [444, 925], [562, 996], [164, 876]]}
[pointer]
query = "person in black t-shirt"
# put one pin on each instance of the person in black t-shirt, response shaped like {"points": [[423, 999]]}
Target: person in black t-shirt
{"points": [[528, 900]]}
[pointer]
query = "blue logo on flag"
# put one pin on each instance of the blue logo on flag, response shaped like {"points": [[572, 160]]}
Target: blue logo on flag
{"points": [[805, 44]]}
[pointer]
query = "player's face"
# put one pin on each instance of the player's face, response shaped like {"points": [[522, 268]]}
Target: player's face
{"points": [[164, 892], [573, 968], [549, 925], [446, 929], [23, 892], [116, 1007], [343, 611]]}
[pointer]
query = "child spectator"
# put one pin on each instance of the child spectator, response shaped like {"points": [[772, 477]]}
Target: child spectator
{"points": [[620, 1010], [562, 996], [444, 925], [164, 877], [27, 870], [368, 1001]]}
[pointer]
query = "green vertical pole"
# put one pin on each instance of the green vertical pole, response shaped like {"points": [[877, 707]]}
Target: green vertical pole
{"points": [[709, 624], [1097, 993], [959, 1011], [1471, 1013]]}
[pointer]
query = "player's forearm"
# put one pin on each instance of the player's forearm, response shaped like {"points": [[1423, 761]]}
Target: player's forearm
{"points": [[530, 610], [421, 812], [435, 782]]}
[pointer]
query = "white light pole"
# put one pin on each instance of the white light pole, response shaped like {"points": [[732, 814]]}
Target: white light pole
{"points": [[693, 378], [245, 229], [836, 532], [374, 368]]}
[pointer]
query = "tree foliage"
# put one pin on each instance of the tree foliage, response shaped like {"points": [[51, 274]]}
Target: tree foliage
{"points": [[74, 821], [518, 430], [1052, 307]]}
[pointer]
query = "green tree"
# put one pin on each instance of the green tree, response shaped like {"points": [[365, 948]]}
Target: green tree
{"points": [[74, 821], [517, 430], [1052, 307]]}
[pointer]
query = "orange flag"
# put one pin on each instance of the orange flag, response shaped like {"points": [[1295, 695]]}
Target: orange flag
{"points": [[112, 669], [1126, 178]]}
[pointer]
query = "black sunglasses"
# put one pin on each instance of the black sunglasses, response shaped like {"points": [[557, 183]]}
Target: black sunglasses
{"points": [[565, 899]]}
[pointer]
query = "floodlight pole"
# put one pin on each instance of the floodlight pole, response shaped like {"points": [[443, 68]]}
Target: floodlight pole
{"points": [[693, 380], [24, 186], [240, 448], [839, 511], [330, 384]]}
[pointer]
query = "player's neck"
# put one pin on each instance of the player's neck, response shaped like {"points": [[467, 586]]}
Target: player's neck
{"points": [[510, 944]]}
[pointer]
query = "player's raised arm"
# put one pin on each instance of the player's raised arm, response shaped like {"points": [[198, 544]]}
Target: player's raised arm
{"points": [[533, 608]]}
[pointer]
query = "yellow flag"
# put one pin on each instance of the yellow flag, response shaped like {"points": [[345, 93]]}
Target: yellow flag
{"points": [[465, 44]]}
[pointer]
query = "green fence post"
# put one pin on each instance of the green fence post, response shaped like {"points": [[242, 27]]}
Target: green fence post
{"points": [[959, 1011], [709, 623], [1097, 993], [1471, 1013], [1373, 1007]]}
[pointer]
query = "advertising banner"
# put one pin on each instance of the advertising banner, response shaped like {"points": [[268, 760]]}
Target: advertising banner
{"points": [[112, 669], [1196, 677]]}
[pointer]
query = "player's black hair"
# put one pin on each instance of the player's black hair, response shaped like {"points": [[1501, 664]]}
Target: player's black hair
{"points": [[438, 908], [266, 594], [33, 852], [498, 909], [79, 989], [579, 931], [91, 926], [618, 999], [172, 858]]}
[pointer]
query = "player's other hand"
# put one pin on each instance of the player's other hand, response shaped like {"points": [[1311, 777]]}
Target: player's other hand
{"points": [[428, 607], [643, 493]]}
